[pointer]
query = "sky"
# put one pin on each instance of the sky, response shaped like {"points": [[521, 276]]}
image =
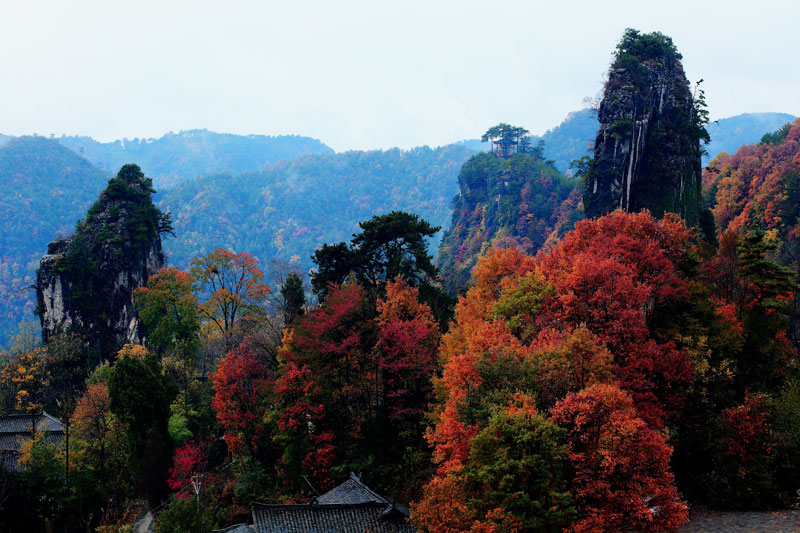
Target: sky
{"points": [[365, 74]]}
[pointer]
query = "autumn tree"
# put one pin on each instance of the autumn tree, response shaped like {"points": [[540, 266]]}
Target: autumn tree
{"points": [[743, 469], [406, 351], [328, 376], [98, 446], [622, 276], [621, 468], [231, 285], [169, 311], [241, 385], [27, 378], [387, 246]]}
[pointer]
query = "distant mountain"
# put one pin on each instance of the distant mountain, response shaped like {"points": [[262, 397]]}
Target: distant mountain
{"points": [[177, 157], [572, 139], [44, 189], [728, 134], [292, 208]]}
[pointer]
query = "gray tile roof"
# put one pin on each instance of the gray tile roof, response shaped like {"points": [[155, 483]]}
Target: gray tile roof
{"points": [[21, 423], [238, 528], [14, 429], [350, 492], [350, 507], [351, 518]]}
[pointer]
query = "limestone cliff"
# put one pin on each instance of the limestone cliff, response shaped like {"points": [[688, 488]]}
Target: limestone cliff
{"points": [[647, 152], [85, 282]]}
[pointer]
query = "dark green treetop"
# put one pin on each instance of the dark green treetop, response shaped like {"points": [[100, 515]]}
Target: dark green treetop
{"points": [[388, 246], [505, 139]]}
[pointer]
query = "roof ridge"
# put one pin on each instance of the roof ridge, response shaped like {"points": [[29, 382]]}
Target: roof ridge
{"points": [[310, 505], [357, 479]]}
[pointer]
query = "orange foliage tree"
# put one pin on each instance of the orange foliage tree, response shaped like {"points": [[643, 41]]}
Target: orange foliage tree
{"points": [[622, 477], [231, 285], [594, 310]]}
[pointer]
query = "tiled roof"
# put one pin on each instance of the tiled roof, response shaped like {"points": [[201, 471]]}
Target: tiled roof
{"points": [[13, 442], [9, 460], [14, 429], [21, 423], [369, 517], [350, 492]]}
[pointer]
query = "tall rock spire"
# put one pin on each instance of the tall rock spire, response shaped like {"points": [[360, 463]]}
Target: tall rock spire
{"points": [[647, 152], [85, 282]]}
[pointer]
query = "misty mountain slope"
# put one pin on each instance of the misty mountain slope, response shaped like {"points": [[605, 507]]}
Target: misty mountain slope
{"points": [[728, 134], [44, 189], [176, 157], [292, 208]]}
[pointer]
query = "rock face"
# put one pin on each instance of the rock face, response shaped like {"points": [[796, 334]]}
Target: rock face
{"points": [[647, 154], [86, 282]]}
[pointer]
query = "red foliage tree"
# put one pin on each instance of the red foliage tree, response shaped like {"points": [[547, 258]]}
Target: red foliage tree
{"points": [[326, 384], [616, 275], [622, 477], [241, 388], [190, 460], [407, 350]]}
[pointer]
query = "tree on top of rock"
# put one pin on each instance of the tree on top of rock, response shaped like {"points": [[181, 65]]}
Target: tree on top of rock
{"points": [[505, 139]]}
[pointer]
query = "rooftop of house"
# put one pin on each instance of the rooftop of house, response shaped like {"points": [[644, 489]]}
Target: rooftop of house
{"points": [[21, 423], [350, 507], [351, 491], [344, 518], [15, 428]]}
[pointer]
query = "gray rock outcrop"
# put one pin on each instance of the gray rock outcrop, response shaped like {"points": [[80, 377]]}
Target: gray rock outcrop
{"points": [[85, 282], [647, 154]]}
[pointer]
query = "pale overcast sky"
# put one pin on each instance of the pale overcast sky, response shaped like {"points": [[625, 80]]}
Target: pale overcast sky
{"points": [[361, 75]]}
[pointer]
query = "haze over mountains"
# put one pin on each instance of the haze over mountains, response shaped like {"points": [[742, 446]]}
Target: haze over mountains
{"points": [[276, 197], [177, 157]]}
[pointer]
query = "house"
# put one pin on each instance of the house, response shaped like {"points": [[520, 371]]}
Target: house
{"points": [[350, 507], [15, 428]]}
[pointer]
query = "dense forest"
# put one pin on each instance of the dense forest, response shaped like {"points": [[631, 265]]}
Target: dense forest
{"points": [[422, 181], [602, 349], [294, 207]]}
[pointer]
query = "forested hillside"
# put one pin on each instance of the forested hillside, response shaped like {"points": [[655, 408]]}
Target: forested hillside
{"points": [[517, 202], [757, 187], [292, 208], [177, 157], [44, 189]]}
